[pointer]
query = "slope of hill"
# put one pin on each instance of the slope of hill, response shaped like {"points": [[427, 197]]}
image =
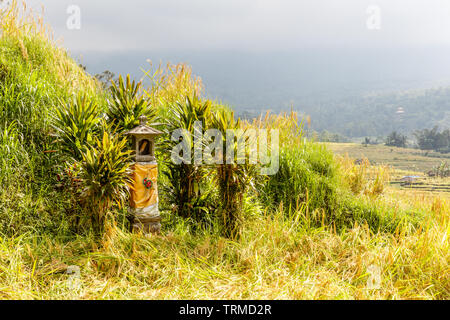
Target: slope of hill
{"points": [[377, 115], [36, 76], [335, 87]]}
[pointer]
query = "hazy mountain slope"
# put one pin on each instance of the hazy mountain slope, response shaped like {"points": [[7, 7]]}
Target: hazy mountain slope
{"points": [[377, 115], [331, 85]]}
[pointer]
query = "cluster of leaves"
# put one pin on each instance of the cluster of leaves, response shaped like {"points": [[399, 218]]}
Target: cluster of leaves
{"points": [[433, 139], [76, 124], [441, 170], [126, 105], [235, 178], [196, 191], [396, 139], [96, 144], [184, 187], [105, 175]]}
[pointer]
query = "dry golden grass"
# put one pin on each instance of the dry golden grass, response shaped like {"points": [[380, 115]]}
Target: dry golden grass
{"points": [[277, 258], [363, 178], [412, 160]]}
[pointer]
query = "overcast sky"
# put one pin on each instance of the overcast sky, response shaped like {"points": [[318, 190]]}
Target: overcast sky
{"points": [[248, 25]]}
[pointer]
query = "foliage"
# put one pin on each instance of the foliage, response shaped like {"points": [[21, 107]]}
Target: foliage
{"points": [[105, 176], [76, 124], [396, 139], [12, 154], [35, 76], [433, 139], [233, 179], [307, 175], [127, 104], [35, 73], [184, 187], [442, 170], [326, 136], [106, 78]]}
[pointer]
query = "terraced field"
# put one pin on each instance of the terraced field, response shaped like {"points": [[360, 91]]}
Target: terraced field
{"points": [[410, 160], [425, 184], [409, 167]]}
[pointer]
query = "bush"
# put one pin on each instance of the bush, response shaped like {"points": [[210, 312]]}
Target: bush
{"points": [[76, 124], [312, 181], [127, 104], [184, 185], [234, 179], [307, 174], [105, 176]]}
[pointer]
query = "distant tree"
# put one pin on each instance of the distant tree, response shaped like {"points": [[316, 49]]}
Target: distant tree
{"points": [[396, 139], [105, 78], [442, 141], [445, 136], [433, 139], [425, 138], [366, 141], [326, 136]]}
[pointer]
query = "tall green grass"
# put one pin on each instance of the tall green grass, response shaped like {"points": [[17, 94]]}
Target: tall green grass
{"points": [[307, 175], [35, 75]]}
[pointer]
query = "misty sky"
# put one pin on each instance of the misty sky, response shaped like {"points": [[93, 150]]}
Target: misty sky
{"points": [[263, 25]]}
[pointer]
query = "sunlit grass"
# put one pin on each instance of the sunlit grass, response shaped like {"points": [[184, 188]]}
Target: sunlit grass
{"points": [[285, 251], [277, 257]]}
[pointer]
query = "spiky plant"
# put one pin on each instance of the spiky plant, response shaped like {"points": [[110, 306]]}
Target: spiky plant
{"points": [[76, 124], [127, 104], [105, 176], [184, 180], [233, 178]]}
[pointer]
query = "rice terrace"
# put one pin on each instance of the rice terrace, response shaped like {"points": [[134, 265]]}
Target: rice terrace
{"points": [[94, 206], [410, 168]]}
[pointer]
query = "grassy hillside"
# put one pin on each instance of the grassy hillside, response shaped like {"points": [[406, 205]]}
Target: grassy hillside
{"points": [[321, 228], [36, 77]]}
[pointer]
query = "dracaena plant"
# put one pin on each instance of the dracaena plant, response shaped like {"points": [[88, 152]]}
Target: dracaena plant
{"points": [[233, 179], [76, 123], [184, 190], [105, 176], [127, 104]]}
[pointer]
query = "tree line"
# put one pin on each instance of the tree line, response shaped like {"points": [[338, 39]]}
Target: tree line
{"points": [[426, 139]]}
